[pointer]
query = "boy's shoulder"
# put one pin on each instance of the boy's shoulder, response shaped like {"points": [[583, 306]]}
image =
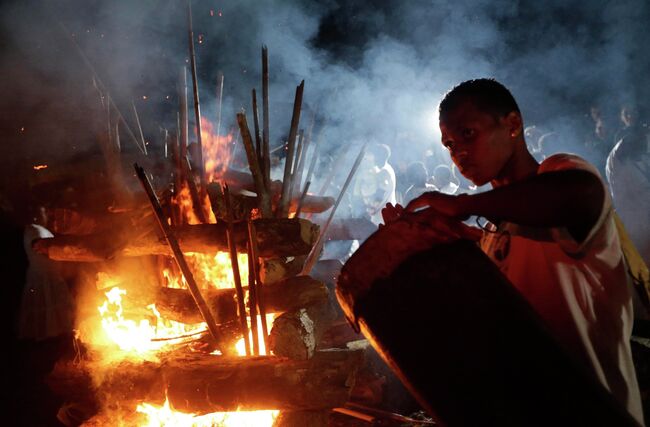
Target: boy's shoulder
{"points": [[566, 161]]}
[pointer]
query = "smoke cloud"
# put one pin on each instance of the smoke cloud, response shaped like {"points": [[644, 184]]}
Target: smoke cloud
{"points": [[373, 72]]}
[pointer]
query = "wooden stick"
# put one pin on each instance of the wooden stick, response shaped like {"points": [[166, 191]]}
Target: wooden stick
{"points": [[99, 84], [314, 157], [235, 269], [197, 205], [296, 174], [315, 252], [252, 290], [137, 120], [304, 150], [197, 104], [219, 103], [252, 238], [265, 119], [258, 139], [184, 121], [285, 198], [176, 154], [302, 199], [180, 260], [264, 200], [329, 178]]}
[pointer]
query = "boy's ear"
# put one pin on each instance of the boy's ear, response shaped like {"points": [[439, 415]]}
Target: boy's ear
{"points": [[515, 123]]}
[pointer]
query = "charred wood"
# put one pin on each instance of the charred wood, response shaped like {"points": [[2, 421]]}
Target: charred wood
{"points": [[287, 295], [276, 238], [202, 384]]}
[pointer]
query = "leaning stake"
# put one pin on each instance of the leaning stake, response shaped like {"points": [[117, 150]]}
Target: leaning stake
{"points": [[180, 260], [315, 251], [230, 233]]}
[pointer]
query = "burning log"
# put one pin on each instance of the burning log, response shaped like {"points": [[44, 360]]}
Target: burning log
{"points": [[312, 203], [297, 334], [277, 269], [276, 238], [288, 295], [292, 335], [201, 384]]}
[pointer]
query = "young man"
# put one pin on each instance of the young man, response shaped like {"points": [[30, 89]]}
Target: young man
{"points": [[552, 232]]}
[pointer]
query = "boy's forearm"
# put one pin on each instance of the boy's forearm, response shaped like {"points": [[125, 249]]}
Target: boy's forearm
{"points": [[564, 198]]}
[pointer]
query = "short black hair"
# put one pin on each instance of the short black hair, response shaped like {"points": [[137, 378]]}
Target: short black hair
{"points": [[488, 95]]}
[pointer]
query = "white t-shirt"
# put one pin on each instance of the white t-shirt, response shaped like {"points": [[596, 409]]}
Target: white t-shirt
{"points": [[580, 290], [629, 181]]}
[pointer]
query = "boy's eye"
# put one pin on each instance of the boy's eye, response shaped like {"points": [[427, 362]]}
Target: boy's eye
{"points": [[468, 133], [448, 144]]}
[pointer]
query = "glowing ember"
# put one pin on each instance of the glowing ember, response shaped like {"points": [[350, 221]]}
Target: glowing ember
{"points": [[216, 151], [39, 167], [164, 416], [241, 346], [138, 337]]}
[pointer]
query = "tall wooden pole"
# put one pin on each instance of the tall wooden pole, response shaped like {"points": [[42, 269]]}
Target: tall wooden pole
{"points": [[285, 198], [197, 104], [265, 119]]}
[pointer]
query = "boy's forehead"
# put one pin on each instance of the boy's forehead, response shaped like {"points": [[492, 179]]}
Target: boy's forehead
{"points": [[463, 112]]}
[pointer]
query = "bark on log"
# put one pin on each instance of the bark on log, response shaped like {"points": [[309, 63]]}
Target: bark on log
{"points": [[287, 295], [297, 334], [202, 384], [292, 335], [276, 238], [277, 269]]}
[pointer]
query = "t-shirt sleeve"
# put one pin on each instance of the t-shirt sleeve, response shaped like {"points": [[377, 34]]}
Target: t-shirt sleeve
{"points": [[561, 235]]}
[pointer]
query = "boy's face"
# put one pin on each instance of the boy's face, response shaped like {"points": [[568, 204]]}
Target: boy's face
{"points": [[479, 144]]}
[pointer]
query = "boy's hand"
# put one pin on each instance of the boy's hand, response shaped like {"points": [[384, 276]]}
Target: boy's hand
{"points": [[444, 204], [391, 213]]}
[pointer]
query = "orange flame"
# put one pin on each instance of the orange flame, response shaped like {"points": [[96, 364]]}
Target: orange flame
{"points": [[39, 167], [165, 416], [216, 151], [137, 338]]}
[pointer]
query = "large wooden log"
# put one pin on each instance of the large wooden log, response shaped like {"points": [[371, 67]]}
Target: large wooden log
{"points": [[297, 334], [201, 384], [287, 295], [276, 238]]}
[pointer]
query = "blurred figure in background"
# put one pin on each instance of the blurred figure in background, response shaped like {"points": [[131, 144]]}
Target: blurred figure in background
{"points": [[445, 180], [628, 174], [376, 183], [416, 175]]}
